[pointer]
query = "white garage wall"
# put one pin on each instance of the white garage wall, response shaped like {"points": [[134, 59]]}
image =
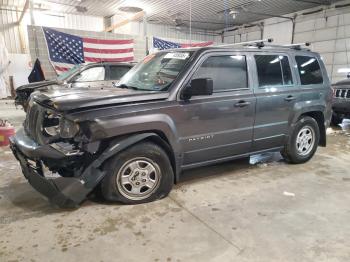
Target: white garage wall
{"points": [[68, 21], [329, 36], [12, 30], [327, 31], [279, 29]]}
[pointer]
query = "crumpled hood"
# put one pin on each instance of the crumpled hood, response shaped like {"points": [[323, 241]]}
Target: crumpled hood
{"points": [[72, 99], [36, 85]]}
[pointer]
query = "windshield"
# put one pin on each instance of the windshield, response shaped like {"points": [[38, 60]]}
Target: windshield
{"points": [[156, 72], [70, 72]]}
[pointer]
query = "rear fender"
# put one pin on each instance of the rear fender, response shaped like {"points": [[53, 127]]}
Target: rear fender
{"points": [[320, 114]]}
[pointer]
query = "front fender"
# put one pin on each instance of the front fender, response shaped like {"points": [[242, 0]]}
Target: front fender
{"points": [[108, 128], [121, 143]]}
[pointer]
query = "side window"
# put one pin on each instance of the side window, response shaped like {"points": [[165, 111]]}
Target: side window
{"points": [[116, 72], [92, 74], [273, 70], [228, 72], [309, 70]]}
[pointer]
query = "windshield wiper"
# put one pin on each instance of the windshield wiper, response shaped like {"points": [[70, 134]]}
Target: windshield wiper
{"points": [[124, 86]]}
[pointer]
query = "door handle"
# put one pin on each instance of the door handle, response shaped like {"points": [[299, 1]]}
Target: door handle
{"points": [[242, 104], [290, 98]]}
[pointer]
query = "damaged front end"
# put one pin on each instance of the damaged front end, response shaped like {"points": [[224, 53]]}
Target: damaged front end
{"points": [[49, 140]]}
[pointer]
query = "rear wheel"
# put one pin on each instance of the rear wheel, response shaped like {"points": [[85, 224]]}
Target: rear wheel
{"points": [[303, 142], [141, 173]]}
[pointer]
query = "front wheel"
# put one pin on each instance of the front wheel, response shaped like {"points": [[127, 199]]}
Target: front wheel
{"points": [[141, 173], [303, 142], [336, 120]]}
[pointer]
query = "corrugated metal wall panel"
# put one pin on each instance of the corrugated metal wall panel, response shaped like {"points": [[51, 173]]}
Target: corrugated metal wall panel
{"points": [[10, 30], [70, 21]]}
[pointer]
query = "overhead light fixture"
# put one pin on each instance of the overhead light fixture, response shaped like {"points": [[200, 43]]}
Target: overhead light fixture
{"points": [[130, 9], [279, 58], [81, 9], [344, 70], [308, 62], [234, 13]]}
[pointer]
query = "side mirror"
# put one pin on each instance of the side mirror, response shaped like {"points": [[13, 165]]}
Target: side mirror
{"points": [[198, 87]]}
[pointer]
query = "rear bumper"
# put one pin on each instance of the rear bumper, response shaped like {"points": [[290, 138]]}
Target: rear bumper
{"points": [[65, 192]]}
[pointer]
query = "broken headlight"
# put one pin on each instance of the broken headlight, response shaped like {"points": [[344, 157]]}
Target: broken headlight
{"points": [[68, 129], [51, 124]]}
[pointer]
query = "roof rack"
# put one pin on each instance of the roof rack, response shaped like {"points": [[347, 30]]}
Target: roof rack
{"points": [[257, 43], [261, 44], [293, 46], [298, 46]]}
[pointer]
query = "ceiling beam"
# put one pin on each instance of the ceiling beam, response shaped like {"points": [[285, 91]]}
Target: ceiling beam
{"points": [[125, 21], [25, 8], [326, 2]]}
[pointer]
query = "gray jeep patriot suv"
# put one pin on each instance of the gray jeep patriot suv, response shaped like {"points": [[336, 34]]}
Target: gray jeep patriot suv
{"points": [[173, 111]]}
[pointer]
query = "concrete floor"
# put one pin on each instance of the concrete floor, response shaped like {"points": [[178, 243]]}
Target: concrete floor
{"points": [[266, 211]]}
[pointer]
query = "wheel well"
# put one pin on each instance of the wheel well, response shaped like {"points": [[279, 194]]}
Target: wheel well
{"points": [[319, 117], [158, 138], [163, 142]]}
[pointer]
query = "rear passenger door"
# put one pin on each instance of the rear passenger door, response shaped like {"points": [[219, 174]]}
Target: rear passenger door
{"points": [[276, 92]]}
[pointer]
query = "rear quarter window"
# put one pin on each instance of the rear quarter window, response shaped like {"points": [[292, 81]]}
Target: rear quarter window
{"points": [[309, 70]]}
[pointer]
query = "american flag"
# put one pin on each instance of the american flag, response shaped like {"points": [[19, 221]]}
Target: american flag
{"points": [[163, 44], [66, 50]]}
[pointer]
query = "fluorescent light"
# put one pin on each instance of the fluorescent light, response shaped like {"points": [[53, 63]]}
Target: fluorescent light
{"points": [[308, 62], [238, 57], [275, 61], [279, 58], [344, 70]]}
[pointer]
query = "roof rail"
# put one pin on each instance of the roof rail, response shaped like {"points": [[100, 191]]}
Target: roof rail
{"points": [[293, 46], [257, 43], [298, 46], [261, 43]]}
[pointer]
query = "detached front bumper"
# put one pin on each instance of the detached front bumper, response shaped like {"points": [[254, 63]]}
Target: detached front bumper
{"points": [[66, 192]]}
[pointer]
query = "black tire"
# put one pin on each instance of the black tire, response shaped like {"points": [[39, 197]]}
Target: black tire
{"points": [[290, 151], [336, 120], [145, 152]]}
